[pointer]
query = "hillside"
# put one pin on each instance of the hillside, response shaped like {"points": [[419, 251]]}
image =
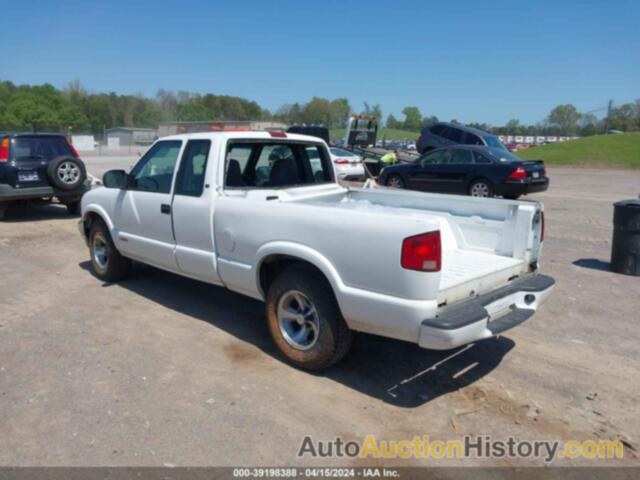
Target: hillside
{"points": [[387, 133], [621, 150]]}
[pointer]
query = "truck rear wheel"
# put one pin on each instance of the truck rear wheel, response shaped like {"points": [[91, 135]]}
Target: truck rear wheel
{"points": [[305, 321], [107, 263]]}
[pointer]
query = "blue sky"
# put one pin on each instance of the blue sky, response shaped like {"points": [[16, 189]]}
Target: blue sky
{"points": [[470, 61]]}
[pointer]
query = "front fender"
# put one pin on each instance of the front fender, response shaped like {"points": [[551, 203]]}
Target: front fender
{"points": [[96, 209]]}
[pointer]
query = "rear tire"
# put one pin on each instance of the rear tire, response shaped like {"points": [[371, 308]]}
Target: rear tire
{"points": [[305, 321], [395, 181], [481, 188], [108, 265]]}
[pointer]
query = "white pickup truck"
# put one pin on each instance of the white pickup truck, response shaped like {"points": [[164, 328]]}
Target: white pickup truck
{"points": [[250, 211]]}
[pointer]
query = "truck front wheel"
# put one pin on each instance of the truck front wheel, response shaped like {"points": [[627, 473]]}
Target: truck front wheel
{"points": [[107, 263], [305, 321]]}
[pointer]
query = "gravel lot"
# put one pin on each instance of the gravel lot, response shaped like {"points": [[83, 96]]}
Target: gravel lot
{"points": [[164, 370]]}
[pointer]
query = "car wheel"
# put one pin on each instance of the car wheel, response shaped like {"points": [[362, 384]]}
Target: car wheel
{"points": [[107, 263], [305, 321], [395, 181], [3, 209], [480, 188], [66, 173], [73, 207]]}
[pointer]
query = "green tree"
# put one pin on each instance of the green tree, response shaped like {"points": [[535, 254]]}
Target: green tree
{"points": [[393, 122], [317, 111], [412, 118], [429, 121], [565, 118], [340, 112]]}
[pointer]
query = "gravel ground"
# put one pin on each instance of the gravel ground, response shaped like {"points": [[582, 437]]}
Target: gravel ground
{"points": [[160, 369]]}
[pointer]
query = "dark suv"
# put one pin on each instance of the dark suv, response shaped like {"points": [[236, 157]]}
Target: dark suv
{"points": [[36, 166], [443, 134]]}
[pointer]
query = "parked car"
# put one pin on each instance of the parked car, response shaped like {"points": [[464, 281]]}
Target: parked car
{"points": [[347, 165], [435, 270], [469, 170], [35, 166], [443, 134]]}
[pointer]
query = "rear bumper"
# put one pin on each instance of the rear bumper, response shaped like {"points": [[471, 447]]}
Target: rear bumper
{"points": [[487, 315], [9, 193], [523, 187]]}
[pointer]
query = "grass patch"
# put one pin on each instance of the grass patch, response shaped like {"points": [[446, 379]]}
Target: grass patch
{"points": [[387, 133], [620, 150]]}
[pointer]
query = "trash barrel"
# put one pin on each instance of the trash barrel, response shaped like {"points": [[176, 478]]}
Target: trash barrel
{"points": [[625, 250]]}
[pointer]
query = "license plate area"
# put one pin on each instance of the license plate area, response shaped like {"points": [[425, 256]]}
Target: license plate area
{"points": [[28, 176], [536, 174]]}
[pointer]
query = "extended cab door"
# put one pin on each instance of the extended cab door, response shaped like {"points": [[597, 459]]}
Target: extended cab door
{"points": [[142, 214], [193, 211]]}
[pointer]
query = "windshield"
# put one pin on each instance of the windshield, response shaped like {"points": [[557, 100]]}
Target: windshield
{"points": [[494, 142]]}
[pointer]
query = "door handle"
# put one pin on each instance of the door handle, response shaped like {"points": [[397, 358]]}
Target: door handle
{"points": [[164, 208]]}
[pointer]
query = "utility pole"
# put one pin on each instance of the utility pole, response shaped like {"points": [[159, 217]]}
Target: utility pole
{"points": [[607, 120]]}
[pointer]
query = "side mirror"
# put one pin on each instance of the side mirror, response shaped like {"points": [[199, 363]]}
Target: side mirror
{"points": [[115, 179]]}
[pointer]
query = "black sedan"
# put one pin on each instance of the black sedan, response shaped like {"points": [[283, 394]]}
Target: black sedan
{"points": [[469, 170]]}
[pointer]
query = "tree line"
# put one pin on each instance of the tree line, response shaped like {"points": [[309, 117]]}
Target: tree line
{"points": [[46, 108]]}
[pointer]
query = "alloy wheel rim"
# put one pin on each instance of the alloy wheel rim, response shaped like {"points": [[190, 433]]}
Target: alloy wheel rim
{"points": [[394, 182], [298, 320], [100, 251], [68, 173], [480, 190]]}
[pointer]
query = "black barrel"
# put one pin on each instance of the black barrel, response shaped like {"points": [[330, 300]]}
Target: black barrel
{"points": [[625, 251]]}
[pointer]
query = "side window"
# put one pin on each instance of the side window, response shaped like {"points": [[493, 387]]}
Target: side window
{"points": [[272, 160], [190, 179], [438, 129], [154, 171], [277, 164], [317, 169], [460, 156], [479, 158], [434, 158], [472, 139], [455, 135]]}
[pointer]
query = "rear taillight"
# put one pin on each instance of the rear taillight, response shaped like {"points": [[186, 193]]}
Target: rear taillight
{"points": [[518, 174], [544, 171], [4, 150], [73, 149], [276, 134], [341, 161], [541, 226], [422, 252], [419, 139]]}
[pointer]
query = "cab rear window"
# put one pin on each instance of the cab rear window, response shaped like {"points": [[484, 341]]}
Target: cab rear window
{"points": [[40, 148]]}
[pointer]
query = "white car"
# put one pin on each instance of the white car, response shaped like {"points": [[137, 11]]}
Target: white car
{"points": [[249, 212], [347, 165]]}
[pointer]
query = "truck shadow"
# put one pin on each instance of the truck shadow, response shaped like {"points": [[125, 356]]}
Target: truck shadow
{"points": [[396, 372], [32, 212]]}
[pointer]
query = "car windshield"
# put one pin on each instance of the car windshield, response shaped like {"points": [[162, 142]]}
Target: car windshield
{"points": [[503, 156], [338, 152], [41, 147], [494, 142]]}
